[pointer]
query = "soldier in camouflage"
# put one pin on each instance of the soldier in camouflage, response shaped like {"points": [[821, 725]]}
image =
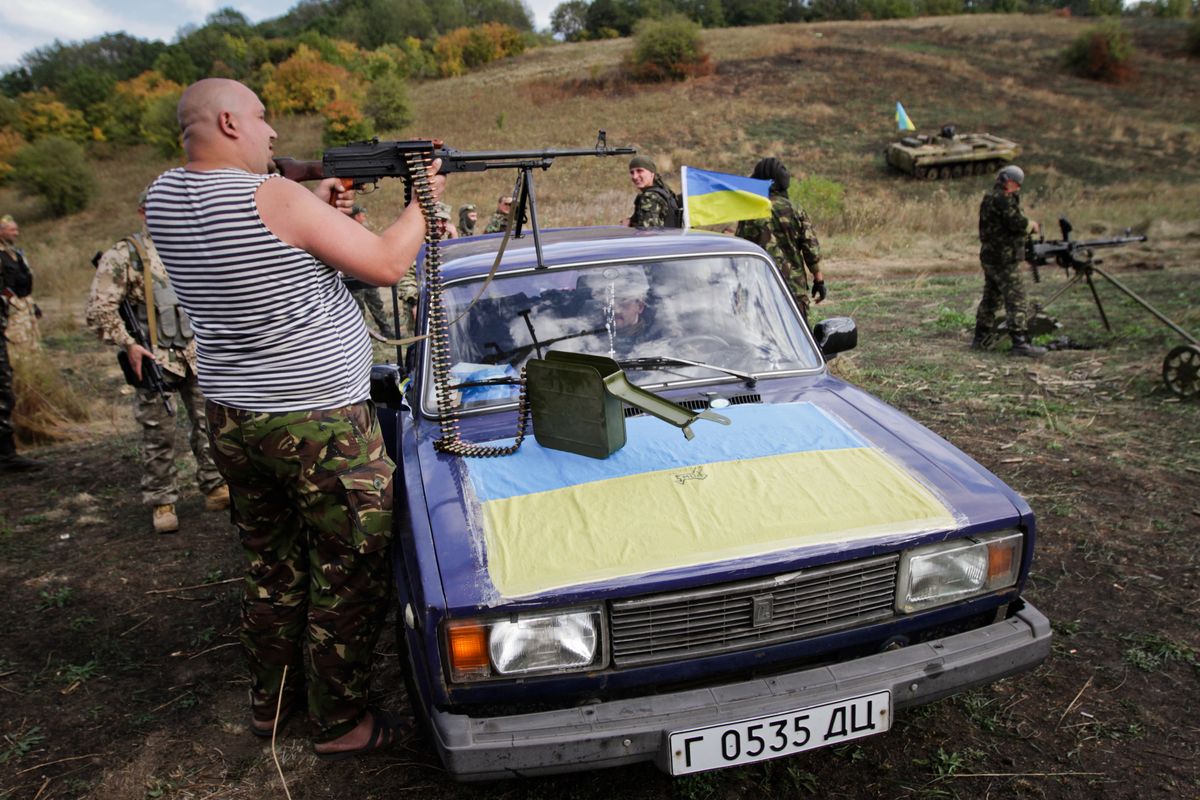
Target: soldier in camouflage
{"points": [[408, 288], [1002, 233], [655, 205], [499, 220], [367, 297], [467, 219], [120, 275], [16, 280], [789, 237]]}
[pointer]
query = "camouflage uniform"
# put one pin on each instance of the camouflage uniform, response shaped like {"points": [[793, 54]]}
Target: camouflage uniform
{"points": [[1002, 232], [466, 225], [312, 500], [497, 224], [369, 301], [650, 207], [119, 274], [16, 280], [409, 292], [790, 239]]}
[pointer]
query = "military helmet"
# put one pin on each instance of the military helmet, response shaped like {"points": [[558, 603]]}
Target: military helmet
{"points": [[1011, 173], [442, 211]]}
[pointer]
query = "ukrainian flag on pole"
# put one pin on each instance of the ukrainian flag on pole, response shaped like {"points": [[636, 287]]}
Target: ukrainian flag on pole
{"points": [[902, 121], [710, 198]]}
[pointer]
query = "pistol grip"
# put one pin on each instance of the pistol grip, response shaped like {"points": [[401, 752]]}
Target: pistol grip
{"points": [[347, 184]]}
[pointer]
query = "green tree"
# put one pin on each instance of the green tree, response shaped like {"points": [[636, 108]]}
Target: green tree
{"points": [[387, 102], [57, 170], [1103, 53], [569, 20]]}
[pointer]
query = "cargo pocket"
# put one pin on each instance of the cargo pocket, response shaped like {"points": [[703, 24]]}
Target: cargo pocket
{"points": [[368, 499]]}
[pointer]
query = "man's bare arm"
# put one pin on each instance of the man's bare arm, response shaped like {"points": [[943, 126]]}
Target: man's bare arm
{"points": [[302, 219]]}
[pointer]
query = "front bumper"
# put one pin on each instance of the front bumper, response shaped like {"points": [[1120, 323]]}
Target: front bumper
{"points": [[626, 731]]}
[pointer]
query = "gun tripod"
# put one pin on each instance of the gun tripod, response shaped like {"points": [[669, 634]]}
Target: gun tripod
{"points": [[1181, 367]]}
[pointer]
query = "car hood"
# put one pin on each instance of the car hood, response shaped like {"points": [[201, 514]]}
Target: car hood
{"points": [[815, 470]]}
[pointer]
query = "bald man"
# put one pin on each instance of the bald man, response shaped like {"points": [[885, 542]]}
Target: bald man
{"points": [[284, 362]]}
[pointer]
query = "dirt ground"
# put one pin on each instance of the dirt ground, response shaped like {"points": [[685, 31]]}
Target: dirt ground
{"points": [[120, 676]]}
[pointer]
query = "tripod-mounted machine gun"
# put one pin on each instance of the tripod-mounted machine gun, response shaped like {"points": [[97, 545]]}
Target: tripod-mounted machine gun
{"points": [[1181, 368]]}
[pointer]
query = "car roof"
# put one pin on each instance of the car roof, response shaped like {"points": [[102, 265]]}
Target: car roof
{"points": [[474, 255]]}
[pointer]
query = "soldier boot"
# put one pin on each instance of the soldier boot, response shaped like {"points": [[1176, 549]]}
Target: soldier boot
{"points": [[1022, 347], [217, 499], [11, 462], [165, 520], [984, 337]]}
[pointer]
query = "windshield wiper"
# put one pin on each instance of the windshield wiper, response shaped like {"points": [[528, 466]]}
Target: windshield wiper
{"points": [[660, 361]]}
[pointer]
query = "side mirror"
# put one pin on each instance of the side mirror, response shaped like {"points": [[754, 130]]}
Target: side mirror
{"points": [[835, 335], [387, 385]]}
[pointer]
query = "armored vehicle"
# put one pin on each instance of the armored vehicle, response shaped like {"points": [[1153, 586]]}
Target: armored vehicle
{"points": [[950, 154]]}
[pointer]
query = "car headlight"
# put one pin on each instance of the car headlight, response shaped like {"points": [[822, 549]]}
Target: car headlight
{"points": [[947, 572], [529, 643]]}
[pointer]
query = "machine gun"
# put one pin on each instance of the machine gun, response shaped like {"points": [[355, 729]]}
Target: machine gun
{"points": [[1181, 368], [363, 164], [1069, 254]]}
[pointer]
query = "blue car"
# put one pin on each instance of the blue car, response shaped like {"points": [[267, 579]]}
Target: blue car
{"points": [[789, 571]]}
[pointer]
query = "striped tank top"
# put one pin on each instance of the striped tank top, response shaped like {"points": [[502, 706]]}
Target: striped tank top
{"points": [[275, 328]]}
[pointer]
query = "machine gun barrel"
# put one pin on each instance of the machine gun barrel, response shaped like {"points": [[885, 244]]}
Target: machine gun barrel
{"points": [[363, 163]]}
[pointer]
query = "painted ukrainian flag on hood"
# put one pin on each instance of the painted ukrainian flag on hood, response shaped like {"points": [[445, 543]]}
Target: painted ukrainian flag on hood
{"points": [[779, 478], [710, 198]]}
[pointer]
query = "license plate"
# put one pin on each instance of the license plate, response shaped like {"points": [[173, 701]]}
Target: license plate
{"points": [[778, 735]]}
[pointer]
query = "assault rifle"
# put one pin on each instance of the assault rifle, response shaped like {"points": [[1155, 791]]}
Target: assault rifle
{"points": [[1068, 254], [363, 164], [152, 377]]}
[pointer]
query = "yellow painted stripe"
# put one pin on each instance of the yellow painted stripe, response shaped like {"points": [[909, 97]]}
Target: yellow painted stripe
{"points": [[673, 518]]}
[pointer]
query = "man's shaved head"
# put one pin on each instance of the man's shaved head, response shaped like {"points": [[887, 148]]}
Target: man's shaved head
{"points": [[216, 115]]}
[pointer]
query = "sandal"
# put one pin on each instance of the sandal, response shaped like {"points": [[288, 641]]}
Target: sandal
{"points": [[285, 714], [387, 729]]}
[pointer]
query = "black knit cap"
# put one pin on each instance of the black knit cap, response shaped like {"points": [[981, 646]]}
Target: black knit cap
{"points": [[772, 169]]}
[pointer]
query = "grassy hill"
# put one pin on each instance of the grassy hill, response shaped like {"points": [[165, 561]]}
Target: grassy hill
{"points": [[819, 96]]}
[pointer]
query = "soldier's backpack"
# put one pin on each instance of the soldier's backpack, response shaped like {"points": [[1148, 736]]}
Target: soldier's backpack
{"points": [[674, 206]]}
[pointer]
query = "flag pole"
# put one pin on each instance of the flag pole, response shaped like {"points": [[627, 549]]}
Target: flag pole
{"points": [[687, 222]]}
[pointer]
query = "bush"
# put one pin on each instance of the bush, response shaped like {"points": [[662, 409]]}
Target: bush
{"points": [[1193, 37], [43, 115], [58, 171], [387, 102], [1103, 53], [668, 49], [819, 197], [344, 123], [11, 143], [160, 125]]}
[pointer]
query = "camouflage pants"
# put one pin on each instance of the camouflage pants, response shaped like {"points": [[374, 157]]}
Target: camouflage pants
{"points": [[1002, 286], [369, 301], [312, 500], [408, 290], [159, 473], [8, 398]]}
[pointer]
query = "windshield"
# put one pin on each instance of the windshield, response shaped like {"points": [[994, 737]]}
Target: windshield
{"points": [[727, 313]]}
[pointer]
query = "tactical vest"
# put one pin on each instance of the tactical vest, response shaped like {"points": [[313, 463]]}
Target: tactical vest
{"points": [[674, 209], [174, 326]]}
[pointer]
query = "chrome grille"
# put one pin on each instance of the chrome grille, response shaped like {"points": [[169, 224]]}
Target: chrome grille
{"points": [[739, 616]]}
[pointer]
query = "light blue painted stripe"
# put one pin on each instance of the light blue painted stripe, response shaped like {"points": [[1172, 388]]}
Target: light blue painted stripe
{"points": [[756, 431]]}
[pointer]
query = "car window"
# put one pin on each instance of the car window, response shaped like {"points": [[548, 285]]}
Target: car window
{"points": [[726, 312]]}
